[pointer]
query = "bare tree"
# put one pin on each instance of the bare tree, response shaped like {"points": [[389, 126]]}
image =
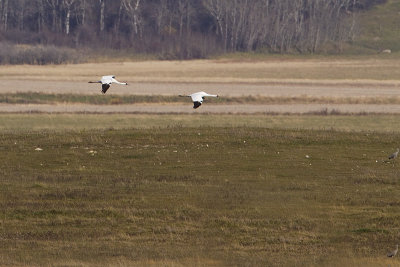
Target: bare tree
{"points": [[5, 15], [133, 9], [215, 7], [80, 6], [67, 5], [41, 15], [102, 10], [54, 5], [160, 14], [186, 28]]}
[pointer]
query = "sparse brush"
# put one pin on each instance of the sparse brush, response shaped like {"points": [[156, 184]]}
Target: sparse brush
{"points": [[37, 55]]}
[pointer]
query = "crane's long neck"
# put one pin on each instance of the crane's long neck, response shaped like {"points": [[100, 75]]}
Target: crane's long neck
{"points": [[120, 83], [95, 82], [115, 81]]}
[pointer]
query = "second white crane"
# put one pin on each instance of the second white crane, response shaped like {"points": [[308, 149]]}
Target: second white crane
{"points": [[198, 98]]}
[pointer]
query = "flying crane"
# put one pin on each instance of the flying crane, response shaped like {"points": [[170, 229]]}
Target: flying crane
{"points": [[106, 82], [198, 98]]}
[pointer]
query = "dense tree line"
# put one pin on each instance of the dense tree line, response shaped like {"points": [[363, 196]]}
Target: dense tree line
{"points": [[183, 28]]}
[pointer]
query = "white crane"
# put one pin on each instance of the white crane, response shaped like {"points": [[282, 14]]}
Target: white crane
{"points": [[198, 98], [106, 81], [394, 252]]}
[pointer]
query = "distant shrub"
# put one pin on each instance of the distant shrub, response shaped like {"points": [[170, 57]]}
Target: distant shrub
{"points": [[37, 55]]}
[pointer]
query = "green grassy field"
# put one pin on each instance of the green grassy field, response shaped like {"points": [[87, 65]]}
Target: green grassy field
{"points": [[11, 123], [138, 190]]}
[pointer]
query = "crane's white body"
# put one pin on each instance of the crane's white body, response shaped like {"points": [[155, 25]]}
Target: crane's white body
{"points": [[198, 98], [106, 82]]}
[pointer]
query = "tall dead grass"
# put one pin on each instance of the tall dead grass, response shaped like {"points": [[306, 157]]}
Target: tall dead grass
{"points": [[37, 55], [377, 72]]}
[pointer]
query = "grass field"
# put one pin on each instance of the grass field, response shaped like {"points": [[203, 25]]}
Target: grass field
{"points": [[10, 123], [270, 80], [379, 69], [43, 98], [201, 190], [133, 190]]}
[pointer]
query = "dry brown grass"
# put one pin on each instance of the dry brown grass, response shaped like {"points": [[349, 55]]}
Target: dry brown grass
{"points": [[376, 71]]}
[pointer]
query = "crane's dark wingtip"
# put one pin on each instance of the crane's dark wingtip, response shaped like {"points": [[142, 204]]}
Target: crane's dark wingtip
{"points": [[196, 105], [104, 88]]}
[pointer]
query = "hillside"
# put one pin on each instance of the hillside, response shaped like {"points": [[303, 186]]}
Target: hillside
{"points": [[380, 28]]}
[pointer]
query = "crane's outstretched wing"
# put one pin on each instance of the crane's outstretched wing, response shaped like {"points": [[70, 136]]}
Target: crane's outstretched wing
{"points": [[104, 87], [196, 104], [197, 100]]}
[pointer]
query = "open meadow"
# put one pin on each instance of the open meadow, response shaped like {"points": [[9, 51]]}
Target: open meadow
{"points": [[296, 70], [293, 84], [194, 190], [137, 177]]}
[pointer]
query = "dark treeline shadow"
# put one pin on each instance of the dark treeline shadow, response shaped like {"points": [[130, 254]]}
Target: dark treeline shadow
{"points": [[177, 29]]}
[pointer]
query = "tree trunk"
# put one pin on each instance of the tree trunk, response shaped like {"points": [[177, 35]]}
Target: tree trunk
{"points": [[21, 17], [132, 8], [188, 21], [119, 17], [68, 4], [83, 12], [102, 8], [40, 16], [5, 15], [1, 11], [67, 20], [181, 10], [161, 10], [135, 16]]}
